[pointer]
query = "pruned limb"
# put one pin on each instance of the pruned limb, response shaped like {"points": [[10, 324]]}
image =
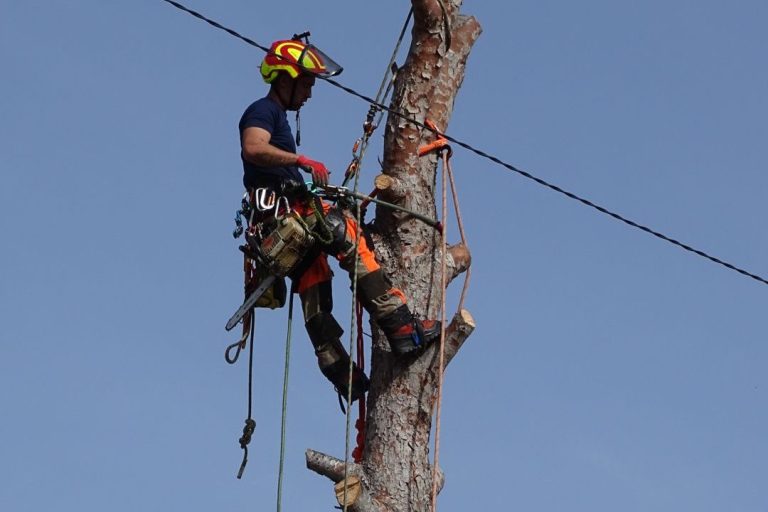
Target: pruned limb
{"points": [[457, 333], [389, 187], [458, 261], [359, 499], [330, 467], [440, 479]]}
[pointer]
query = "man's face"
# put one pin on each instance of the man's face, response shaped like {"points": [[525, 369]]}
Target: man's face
{"points": [[295, 92], [303, 92]]}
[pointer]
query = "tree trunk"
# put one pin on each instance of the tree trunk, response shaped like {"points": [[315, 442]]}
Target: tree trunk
{"points": [[396, 474]]}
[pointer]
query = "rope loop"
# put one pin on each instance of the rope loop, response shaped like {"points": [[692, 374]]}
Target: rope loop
{"points": [[237, 346]]}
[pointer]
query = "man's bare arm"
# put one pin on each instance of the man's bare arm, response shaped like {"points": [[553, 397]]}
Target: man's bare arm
{"points": [[258, 151]]}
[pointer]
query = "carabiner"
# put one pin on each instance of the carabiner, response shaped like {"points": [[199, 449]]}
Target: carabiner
{"points": [[265, 202], [285, 203]]}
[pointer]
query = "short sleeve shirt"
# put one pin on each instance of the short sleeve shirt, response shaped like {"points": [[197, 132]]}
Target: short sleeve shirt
{"points": [[270, 116]]}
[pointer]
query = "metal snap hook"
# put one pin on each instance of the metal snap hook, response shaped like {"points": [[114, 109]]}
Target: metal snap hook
{"points": [[265, 199], [285, 203]]}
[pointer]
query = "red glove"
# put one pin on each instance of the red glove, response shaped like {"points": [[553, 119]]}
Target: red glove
{"points": [[317, 169]]}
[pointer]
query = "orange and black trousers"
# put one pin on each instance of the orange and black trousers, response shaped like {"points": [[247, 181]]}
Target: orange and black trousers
{"points": [[313, 285]]}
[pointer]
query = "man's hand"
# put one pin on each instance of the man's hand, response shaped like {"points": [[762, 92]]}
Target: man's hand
{"points": [[317, 169]]}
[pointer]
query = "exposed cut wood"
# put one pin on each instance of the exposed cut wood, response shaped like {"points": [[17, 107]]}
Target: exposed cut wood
{"points": [[457, 333], [459, 260], [389, 188], [353, 488]]}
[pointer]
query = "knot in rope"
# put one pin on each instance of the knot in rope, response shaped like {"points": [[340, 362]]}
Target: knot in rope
{"points": [[248, 429]]}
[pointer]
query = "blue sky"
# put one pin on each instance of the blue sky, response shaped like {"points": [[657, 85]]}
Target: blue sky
{"points": [[609, 370]]}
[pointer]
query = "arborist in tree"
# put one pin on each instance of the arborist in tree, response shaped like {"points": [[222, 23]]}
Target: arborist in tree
{"points": [[270, 161]]}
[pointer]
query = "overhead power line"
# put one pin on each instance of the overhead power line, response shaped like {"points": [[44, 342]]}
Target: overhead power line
{"points": [[490, 157]]}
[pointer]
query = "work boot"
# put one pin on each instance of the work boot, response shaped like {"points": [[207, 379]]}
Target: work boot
{"points": [[338, 374], [407, 334]]}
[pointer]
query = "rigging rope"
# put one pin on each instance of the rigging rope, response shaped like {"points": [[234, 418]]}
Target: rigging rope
{"points": [[460, 222], [445, 149], [496, 160], [285, 405], [440, 145]]}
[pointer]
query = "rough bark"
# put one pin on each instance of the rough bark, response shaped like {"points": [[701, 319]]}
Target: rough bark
{"points": [[395, 472]]}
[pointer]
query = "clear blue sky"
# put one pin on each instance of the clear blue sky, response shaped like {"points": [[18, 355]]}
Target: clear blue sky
{"points": [[609, 370]]}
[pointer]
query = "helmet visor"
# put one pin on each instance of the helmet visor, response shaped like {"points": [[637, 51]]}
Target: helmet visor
{"points": [[315, 61]]}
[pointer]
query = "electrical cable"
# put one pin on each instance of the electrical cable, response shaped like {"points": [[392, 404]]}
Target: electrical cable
{"points": [[495, 159]]}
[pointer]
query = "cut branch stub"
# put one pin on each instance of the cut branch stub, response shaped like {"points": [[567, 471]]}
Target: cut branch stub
{"points": [[457, 333], [459, 260], [330, 467], [358, 497], [389, 188]]}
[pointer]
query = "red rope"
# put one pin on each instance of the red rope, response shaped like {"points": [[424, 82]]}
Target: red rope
{"points": [[357, 453]]}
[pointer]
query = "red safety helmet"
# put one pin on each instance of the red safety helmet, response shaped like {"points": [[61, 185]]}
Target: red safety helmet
{"points": [[296, 57]]}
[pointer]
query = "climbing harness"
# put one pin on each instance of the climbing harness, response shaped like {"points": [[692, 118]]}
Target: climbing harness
{"points": [[275, 246]]}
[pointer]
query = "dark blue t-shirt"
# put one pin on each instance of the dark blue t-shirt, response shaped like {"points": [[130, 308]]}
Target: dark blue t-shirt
{"points": [[269, 115]]}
